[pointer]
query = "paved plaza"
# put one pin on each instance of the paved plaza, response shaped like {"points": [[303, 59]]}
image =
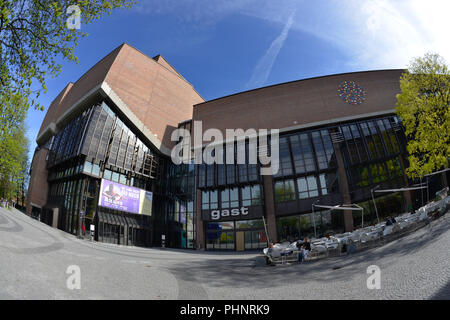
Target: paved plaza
{"points": [[34, 259]]}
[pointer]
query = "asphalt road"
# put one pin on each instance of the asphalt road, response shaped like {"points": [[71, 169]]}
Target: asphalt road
{"points": [[34, 259]]}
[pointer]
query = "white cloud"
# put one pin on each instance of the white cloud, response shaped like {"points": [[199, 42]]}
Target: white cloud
{"points": [[374, 34], [202, 12], [388, 34], [265, 64]]}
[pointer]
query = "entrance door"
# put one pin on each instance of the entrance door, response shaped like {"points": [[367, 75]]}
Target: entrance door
{"points": [[240, 241], [183, 239]]}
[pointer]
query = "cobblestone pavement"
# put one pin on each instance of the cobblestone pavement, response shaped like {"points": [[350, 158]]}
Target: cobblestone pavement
{"points": [[34, 259]]}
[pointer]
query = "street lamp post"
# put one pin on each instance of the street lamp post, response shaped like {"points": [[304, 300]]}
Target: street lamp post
{"points": [[374, 203], [314, 218]]}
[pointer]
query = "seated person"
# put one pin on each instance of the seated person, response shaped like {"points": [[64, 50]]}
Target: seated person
{"points": [[269, 256], [389, 222], [269, 253], [305, 250], [330, 238]]}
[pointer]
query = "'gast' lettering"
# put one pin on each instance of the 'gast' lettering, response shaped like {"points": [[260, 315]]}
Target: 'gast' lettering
{"points": [[217, 214]]}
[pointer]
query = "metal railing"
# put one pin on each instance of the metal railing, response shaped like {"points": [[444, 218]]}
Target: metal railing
{"points": [[367, 238]]}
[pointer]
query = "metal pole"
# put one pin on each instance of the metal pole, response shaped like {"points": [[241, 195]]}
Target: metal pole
{"points": [[314, 221], [362, 215], [428, 192], [79, 224], [374, 203], [265, 228]]}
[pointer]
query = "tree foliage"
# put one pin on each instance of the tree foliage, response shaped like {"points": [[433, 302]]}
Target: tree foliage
{"points": [[423, 106], [13, 156], [34, 34]]}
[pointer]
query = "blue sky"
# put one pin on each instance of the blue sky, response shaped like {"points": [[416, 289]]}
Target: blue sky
{"points": [[228, 46]]}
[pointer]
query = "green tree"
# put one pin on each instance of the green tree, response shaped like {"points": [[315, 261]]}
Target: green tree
{"points": [[423, 107], [13, 162], [33, 34]]}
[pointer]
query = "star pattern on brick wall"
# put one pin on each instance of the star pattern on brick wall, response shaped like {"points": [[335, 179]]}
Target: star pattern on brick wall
{"points": [[352, 93]]}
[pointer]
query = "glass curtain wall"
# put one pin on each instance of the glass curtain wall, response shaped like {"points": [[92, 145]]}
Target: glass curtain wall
{"points": [[307, 167], [222, 235]]}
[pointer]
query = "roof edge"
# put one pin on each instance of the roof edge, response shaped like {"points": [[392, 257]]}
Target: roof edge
{"points": [[294, 81]]}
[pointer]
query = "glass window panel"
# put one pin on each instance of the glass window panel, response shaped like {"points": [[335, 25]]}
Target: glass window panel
{"points": [[214, 199], [285, 158], [225, 198], [221, 174], [230, 173], [115, 177], [302, 186], [87, 167], [96, 170], [256, 195], [284, 190], [312, 183], [210, 175], [234, 194]]}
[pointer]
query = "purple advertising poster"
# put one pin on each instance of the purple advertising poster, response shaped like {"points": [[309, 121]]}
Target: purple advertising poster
{"points": [[120, 197]]}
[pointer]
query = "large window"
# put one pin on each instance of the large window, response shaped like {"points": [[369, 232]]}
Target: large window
{"points": [[201, 175], [209, 200], [255, 239], [375, 173], [324, 149], [66, 142], [294, 228], [369, 140], [329, 183], [227, 235], [102, 137], [302, 153], [379, 136], [220, 236], [353, 150], [285, 159], [251, 196], [210, 181], [378, 172], [221, 175], [307, 187], [391, 133], [230, 198], [377, 139], [227, 174], [284, 191]]}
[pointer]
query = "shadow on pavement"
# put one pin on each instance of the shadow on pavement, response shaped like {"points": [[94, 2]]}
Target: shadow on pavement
{"points": [[244, 272], [443, 294]]}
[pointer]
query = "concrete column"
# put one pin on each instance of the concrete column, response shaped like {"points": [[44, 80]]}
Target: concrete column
{"points": [[200, 230], [269, 201], [55, 218], [406, 194], [345, 190]]}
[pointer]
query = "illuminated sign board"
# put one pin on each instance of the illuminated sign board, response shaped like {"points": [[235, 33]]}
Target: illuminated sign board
{"points": [[120, 197]]}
